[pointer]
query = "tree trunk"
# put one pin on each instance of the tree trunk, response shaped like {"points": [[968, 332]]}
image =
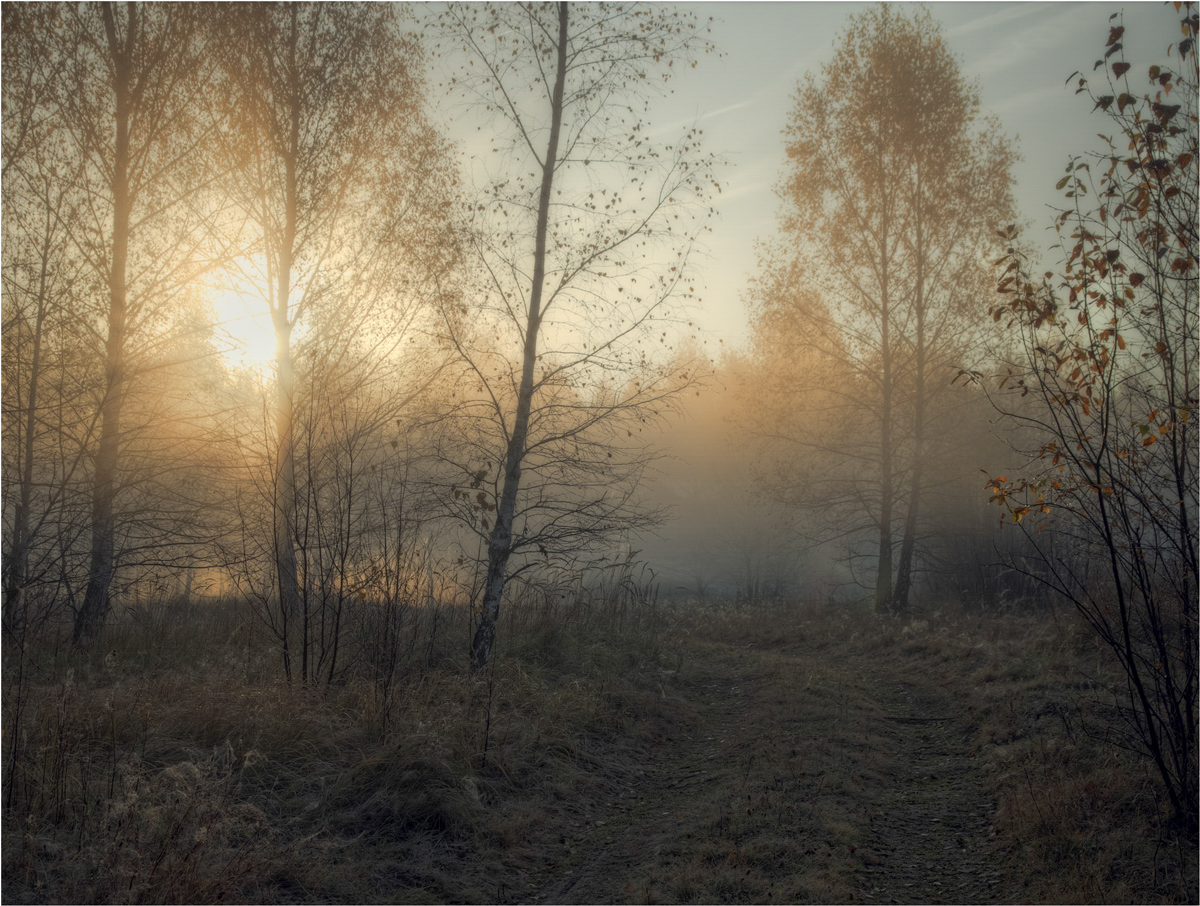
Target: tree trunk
{"points": [[500, 542], [89, 621], [17, 561], [287, 583], [899, 601], [883, 575], [285, 484]]}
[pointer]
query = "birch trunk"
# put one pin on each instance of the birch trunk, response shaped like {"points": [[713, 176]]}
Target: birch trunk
{"points": [[883, 575], [500, 542], [287, 584], [90, 618], [899, 600]]}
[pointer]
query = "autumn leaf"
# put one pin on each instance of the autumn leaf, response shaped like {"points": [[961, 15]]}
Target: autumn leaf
{"points": [[1165, 111]]}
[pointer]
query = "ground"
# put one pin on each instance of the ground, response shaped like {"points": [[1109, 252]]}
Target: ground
{"points": [[694, 752], [789, 780]]}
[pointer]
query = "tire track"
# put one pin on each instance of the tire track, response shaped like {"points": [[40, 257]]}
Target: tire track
{"points": [[931, 828], [794, 780]]}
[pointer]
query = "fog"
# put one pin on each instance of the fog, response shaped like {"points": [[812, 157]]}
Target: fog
{"points": [[499, 453], [719, 322]]}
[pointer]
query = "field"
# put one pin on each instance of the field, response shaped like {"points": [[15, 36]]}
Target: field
{"points": [[689, 751]]}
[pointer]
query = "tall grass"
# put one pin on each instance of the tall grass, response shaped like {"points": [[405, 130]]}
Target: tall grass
{"points": [[170, 763]]}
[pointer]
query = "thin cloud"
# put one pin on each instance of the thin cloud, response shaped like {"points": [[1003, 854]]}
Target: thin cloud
{"points": [[1037, 40], [1012, 14], [713, 114]]}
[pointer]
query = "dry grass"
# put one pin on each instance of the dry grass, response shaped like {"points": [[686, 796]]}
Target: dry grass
{"points": [[774, 808], [1081, 819], [172, 765], [617, 750]]}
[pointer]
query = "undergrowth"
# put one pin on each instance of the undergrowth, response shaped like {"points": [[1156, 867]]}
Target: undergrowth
{"points": [[172, 764]]}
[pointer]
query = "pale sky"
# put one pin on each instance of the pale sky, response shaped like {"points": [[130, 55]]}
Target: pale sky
{"points": [[1020, 53]]}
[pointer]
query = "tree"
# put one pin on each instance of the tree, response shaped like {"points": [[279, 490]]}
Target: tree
{"points": [[127, 90], [571, 290], [48, 413], [893, 179], [30, 72], [1108, 356], [349, 190], [38, 277]]}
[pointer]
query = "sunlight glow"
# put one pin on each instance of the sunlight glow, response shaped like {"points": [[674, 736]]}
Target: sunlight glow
{"points": [[244, 326]]}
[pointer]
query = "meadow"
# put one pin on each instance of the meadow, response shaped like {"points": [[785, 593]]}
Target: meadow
{"points": [[619, 748]]}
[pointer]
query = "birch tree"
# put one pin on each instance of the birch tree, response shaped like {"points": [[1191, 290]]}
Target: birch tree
{"points": [[583, 236], [47, 419], [349, 190], [893, 185], [131, 99]]}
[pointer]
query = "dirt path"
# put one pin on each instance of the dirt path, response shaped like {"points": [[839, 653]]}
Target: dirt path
{"points": [[615, 856], [786, 779], [931, 826]]}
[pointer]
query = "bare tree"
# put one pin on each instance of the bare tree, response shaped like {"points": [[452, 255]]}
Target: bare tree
{"points": [[1108, 354], [576, 212], [48, 416], [349, 189], [893, 182], [130, 97]]}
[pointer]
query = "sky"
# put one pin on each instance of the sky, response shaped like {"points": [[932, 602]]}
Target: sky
{"points": [[1020, 54]]}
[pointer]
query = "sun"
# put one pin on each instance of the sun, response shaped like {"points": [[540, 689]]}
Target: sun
{"points": [[243, 325]]}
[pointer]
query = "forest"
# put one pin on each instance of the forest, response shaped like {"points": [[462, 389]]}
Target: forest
{"points": [[381, 523]]}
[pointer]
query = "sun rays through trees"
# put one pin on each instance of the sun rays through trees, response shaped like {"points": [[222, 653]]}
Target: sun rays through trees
{"points": [[384, 521]]}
